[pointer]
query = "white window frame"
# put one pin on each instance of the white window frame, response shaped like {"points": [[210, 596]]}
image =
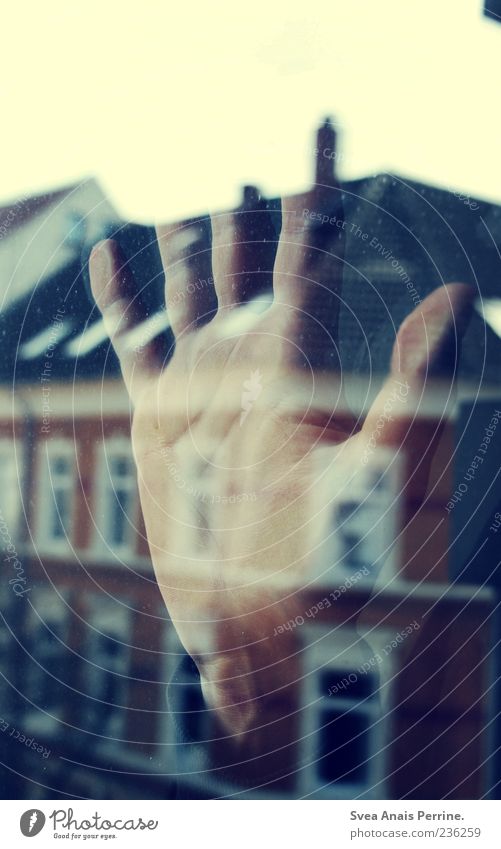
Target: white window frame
{"points": [[376, 523], [343, 650], [105, 618], [48, 450], [103, 547], [187, 755], [10, 449], [46, 613]]}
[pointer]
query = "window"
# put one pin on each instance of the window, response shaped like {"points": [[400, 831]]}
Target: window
{"points": [[363, 687], [117, 498], [10, 484], [343, 747], [369, 524], [106, 667], [362, 531], [186, 703], [57, 459], [344, 730], [49, 663]]}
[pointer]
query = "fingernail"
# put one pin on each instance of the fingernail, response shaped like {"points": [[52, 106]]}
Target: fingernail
{"points": [[100, 259]]}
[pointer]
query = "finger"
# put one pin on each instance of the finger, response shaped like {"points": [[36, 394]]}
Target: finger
{"points": [[185, 250], [412, 407], [308, 270], [243, 251], [114, 290]]}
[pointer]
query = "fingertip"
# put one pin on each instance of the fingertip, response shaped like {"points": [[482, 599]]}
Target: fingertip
{"points": [[430, 337], [102, 251], [101, 267], [460, 298]]}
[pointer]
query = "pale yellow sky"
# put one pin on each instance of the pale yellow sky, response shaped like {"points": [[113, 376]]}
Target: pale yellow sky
{"points": [[173, 106]]}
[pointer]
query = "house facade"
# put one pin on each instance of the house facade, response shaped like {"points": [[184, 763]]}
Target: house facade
{"points": [[391, 673]]}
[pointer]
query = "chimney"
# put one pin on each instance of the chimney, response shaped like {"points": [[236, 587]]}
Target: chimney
{"points": [[326, 153]]}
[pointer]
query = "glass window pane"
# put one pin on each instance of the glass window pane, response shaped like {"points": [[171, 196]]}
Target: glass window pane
{"points": [[343, 747], [119, 521]]}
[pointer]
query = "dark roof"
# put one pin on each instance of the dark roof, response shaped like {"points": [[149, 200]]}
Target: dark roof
{"points": [[60, 309], [24, 208], [434, 237], [427, 234]]}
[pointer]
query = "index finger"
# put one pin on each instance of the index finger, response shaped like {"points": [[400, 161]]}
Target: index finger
{"points": [[135, 335]]}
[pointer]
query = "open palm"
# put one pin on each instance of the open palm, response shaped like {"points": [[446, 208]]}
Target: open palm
{"points": [[242, 440]]}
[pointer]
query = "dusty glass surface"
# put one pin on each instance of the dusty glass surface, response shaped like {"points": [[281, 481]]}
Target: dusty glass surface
{"points": [[249, 492]]}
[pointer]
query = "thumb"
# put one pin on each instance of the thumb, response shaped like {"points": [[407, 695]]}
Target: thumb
{"points": [[428, 343], [410, 410]]}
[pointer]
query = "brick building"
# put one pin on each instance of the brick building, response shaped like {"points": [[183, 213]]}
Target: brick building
{"points": [[87, 648]]}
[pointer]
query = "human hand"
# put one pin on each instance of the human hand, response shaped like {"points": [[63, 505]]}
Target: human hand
{"points": [[242, 440]]}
